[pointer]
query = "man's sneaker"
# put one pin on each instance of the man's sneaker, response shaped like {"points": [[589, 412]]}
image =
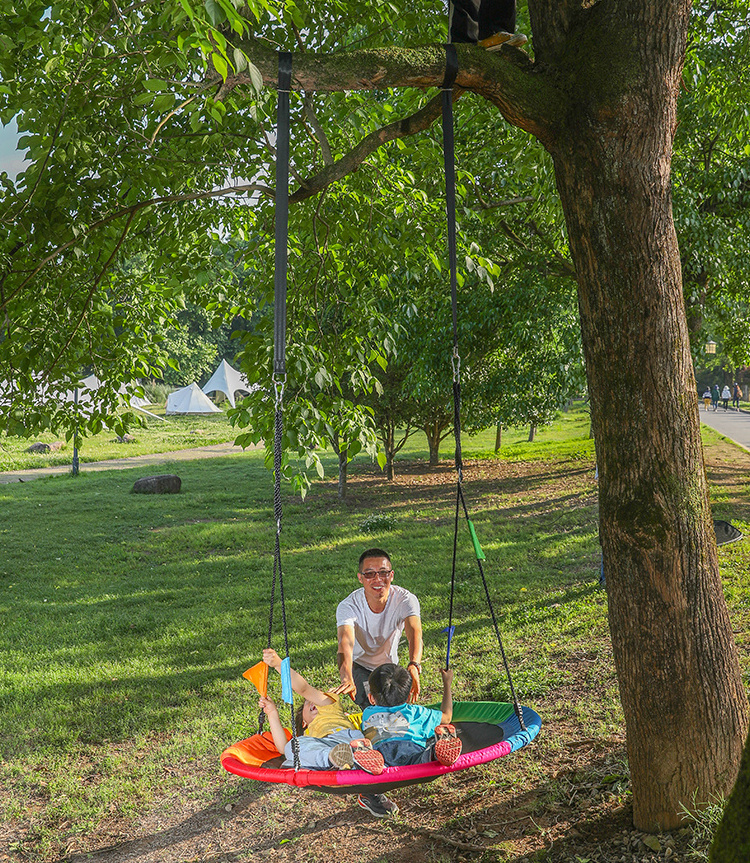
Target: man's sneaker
{"points": [[447, 745], [377, 804], [497, 40], [356, 753]]}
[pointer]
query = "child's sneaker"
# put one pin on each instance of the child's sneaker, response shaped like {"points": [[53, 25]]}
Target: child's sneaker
{"points": [[447, 745], [497, 40], [357, 753]]}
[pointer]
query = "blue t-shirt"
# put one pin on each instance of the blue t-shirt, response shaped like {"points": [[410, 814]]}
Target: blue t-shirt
{"points": [[402, 722]]}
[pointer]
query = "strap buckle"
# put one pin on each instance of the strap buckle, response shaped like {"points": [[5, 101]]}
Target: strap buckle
{"points": [[278, 385]]}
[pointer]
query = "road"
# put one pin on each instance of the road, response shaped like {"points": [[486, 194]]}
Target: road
{"points": [[731, 423], [122, 463]]}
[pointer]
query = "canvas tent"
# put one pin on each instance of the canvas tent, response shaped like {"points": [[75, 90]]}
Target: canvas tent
{"points": [[190, 400], [92, 383], [227, 380]]}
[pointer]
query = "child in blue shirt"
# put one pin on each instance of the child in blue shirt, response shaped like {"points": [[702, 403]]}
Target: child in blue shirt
{"points": [[408, 733]]}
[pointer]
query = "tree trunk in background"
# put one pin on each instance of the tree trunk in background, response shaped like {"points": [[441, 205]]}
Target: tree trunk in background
{"points": [[343, 467], [532, 432], [680, 684], [432, 430], [343, 464], [388, 438], [498, 437]]}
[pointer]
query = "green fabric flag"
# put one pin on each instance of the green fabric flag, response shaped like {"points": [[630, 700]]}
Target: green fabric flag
{"points": [[477, 547]]}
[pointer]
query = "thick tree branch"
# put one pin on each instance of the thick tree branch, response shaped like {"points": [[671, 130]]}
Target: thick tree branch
{"points": [[525, 96]]}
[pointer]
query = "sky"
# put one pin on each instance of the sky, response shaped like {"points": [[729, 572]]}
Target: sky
{"points": [[10, 159]]}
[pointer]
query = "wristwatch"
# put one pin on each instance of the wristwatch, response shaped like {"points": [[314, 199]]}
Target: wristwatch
{"points": [[417, 665]]}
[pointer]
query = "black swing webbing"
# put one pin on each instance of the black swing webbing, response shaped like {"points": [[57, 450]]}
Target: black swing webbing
{"points": [[451, 70], [279, 346]]}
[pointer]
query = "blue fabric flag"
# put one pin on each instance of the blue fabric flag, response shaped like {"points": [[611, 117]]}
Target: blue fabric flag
{"points": [[286, 680], [450, 630]]}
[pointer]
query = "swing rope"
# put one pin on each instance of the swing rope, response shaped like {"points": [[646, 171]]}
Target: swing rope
{"points": [[451, 70], [279, 355]]}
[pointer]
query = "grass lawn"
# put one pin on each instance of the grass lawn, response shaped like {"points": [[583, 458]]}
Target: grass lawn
{"points": [[177, 432], [128, 621]]}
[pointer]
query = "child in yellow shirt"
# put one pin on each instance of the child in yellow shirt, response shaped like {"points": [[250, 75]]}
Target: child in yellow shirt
{"points": [[328, 737]]}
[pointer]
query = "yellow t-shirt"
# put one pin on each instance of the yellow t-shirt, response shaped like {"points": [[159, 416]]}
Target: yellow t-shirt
{"points": [[331, 717]]}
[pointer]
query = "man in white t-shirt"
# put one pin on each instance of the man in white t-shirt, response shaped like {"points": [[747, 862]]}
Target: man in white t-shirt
{"points": [[370, 623]]}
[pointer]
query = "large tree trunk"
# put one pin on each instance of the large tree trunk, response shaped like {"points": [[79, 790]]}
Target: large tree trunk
{"points": [[681, 689]]}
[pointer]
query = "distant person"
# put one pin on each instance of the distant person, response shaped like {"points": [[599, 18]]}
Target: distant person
{"points": [[736, 396], [706, 398], [715, 396], [488, 23], [725, 396]]}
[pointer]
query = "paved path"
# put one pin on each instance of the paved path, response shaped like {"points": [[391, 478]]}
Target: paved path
{"points": [[213, 451], [731, 423]]}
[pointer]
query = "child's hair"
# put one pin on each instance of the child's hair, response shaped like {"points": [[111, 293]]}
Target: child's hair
{"points": [[373, 552], [390, 685], [299, 722]]}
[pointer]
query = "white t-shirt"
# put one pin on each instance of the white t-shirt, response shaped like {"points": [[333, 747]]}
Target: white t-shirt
{"points": [[376, 636]]}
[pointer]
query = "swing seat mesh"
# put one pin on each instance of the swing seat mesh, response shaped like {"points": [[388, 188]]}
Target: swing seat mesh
{"points": [[487, 729]]}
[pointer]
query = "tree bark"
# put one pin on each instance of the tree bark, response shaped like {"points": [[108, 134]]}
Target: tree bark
{"points": [[343, 467], [343, 456], [498, 437], [681, 689], [532, 432], [433, 432]]}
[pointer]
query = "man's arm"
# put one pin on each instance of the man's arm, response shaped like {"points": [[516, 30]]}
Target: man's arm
{"points": [[413, 632], [345, 659]]}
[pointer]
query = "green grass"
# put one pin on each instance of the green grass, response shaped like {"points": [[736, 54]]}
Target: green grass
{"points": [[176, 433], [128, 620]]}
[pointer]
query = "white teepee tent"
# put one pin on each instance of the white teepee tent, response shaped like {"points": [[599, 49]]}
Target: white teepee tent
{"points": [[190, 400], [227, 380]]}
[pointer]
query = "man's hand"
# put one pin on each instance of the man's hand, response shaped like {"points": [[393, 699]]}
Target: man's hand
{"points": [[347, 685], [270, 657], [415, 687]]}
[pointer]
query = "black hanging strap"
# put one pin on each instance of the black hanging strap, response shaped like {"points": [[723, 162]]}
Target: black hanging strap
{"points": [[451, 70], [282, 213], [279, 347]]}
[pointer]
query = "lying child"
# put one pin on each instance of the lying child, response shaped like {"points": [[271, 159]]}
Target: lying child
{"points": [[328, 737]]}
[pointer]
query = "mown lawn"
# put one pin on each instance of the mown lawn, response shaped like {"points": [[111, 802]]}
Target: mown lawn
{"points": [[128, 621]]}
